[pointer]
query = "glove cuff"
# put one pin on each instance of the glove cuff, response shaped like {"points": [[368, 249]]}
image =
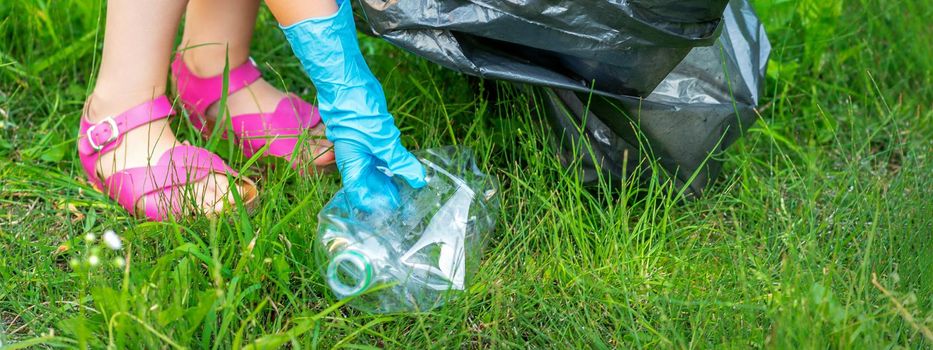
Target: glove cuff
{"points": [[349, 95]]}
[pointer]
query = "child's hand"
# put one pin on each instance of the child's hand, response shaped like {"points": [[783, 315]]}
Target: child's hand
{"points": [[366, 173]]}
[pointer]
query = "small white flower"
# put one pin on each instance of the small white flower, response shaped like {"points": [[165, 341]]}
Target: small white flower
{"points": [[112, 240], [93, 260], [119, 262], [90, 237]]}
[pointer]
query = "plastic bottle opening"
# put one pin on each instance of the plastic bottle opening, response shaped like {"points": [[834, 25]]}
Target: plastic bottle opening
{"points": [[349, 273]]}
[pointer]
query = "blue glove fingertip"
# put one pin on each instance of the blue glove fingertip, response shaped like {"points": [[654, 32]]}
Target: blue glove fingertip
{"points": [[411, 170]]}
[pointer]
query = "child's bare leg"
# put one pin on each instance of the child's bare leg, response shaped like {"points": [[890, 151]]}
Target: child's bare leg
{"points": [[136, 54], [211, 26], [288, 12]]}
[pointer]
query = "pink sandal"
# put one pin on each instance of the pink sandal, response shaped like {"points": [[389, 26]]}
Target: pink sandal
{"points": [[159, 186], [280, 128]]}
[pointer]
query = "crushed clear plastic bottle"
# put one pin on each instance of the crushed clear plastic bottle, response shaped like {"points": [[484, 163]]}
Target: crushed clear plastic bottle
{"points": [[414, 257]]}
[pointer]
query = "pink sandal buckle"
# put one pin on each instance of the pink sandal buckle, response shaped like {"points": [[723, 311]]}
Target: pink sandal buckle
{"points": [[114, 133]]}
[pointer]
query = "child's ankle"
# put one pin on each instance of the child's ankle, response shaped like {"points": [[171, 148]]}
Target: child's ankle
{"points": [[103, 103], [208, 60]]}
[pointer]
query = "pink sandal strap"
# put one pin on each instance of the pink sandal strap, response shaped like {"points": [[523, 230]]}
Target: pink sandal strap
{"points": [[280, 129], [160, 184], [95, 139], [200, 93], [156, 202]]}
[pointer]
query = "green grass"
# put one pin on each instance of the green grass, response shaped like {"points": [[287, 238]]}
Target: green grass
{"points": [[830, 190]]}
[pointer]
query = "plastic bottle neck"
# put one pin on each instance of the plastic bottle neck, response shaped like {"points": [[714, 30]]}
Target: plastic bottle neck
{"points": [[350, 272]]}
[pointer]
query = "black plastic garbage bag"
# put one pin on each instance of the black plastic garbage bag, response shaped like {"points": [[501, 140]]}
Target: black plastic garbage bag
{"points": [[627, 47], [698, 110], [636, 79]]}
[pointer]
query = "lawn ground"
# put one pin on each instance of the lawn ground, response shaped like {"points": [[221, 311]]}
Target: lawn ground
{"points": [[818, 234]]}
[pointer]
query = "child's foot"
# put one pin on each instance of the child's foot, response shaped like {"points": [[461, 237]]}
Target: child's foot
{"points": [[258, 97], [144, 146]]}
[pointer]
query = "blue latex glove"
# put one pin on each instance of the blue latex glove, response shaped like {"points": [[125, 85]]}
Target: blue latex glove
{"points": [[353, 107]]}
